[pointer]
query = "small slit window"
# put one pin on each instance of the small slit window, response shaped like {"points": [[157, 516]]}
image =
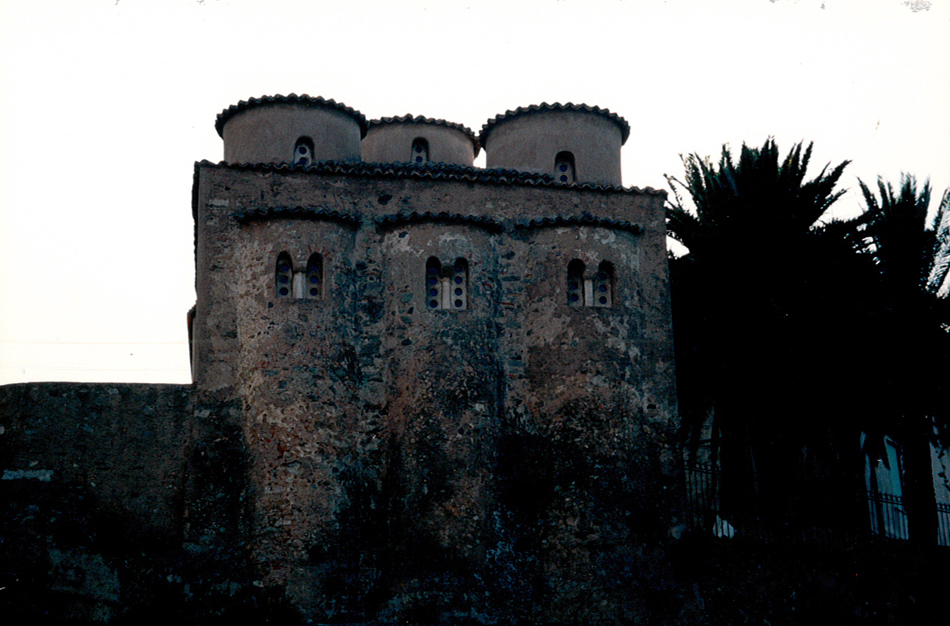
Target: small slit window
{"points": [[603, 285], [303, 151], [313, 285], [433, 284], [575, 283], [419, 151], [564, 168], [284, 276]]}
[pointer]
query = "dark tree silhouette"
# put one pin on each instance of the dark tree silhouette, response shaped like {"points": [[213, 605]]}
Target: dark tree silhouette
{"points": [[797, 336], [911, 344], [756, 315]]}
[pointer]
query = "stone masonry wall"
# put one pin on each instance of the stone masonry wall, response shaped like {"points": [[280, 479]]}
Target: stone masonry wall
{"points": [[92, 476], [511, 459]]}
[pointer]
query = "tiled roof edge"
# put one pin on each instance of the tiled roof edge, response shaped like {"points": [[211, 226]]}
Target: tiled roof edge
{"points": [[488, 126], [303, 99], [419, 119], [583, 220], [433, 171], [298, 212], [395, 219]]}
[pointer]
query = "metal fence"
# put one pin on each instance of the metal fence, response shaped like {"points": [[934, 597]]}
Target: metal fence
{"points": [[943, 521], [887, 516], [702, 496]]}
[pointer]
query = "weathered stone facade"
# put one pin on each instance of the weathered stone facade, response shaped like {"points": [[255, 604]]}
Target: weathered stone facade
{"points": [[425, 392], [407, 449]]}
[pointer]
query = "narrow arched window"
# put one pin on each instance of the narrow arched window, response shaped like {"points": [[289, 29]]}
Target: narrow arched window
{"points": [[458, 286], [575, 283], [313, 286], [303, 151], [284, 276], [564, 168], [603, 285], [433, 284], [420, 151]]}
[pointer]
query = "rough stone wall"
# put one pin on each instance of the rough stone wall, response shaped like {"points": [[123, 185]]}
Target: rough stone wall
{"points": [[510, 459], [124, 443], [93, 478]]}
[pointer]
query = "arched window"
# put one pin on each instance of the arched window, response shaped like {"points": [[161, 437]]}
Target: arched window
{"points": [[303, 151], [564, 168], [603, 285], [575, 283], [458, 286], [314, 284], [284, 276], [420, 151], [433, 284]]}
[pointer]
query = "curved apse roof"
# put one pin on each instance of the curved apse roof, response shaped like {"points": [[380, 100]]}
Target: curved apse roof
{"points": [[316, 102], [557, 106]]}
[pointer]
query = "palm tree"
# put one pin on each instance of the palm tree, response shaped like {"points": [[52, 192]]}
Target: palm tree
{"points": [[744, 303], [911, 342], [758, 196]]}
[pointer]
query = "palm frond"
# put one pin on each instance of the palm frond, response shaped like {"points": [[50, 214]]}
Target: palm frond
{"points": [[897, 232], [937, 282], [759, 199]]}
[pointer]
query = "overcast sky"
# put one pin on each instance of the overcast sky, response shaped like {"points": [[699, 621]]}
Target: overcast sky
{"points": [[105, 106]]}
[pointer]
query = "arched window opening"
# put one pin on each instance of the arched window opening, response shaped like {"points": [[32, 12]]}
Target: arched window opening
{"points": [[314, 282], [575, 283], [458, 286], [603, 285], [420, 151], [564, 167], [284, 276], [433, 284], [303, 151]]}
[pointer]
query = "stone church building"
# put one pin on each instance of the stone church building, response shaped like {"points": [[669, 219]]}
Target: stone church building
{"points": [[424, 392]]}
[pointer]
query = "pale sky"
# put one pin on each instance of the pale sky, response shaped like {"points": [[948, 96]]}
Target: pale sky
{"points": [[105, 106]]}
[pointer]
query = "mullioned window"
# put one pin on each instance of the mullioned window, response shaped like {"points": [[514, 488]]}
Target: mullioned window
{"points": [[303, 151], [446, 286], [596, 290], [420, 151]]}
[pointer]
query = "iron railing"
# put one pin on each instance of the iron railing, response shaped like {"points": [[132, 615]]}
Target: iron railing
{"points": [[943, 524], [887, 516]]}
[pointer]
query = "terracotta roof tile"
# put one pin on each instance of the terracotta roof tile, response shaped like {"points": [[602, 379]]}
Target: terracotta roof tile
{"points": [[433, 171], [303, 99], [298, 212], [583, 220], [557, 106], [396, 219]]}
